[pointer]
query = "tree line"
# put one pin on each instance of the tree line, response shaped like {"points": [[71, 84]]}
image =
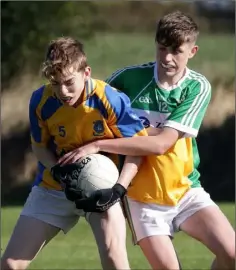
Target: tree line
{"points": [[28, 26]]}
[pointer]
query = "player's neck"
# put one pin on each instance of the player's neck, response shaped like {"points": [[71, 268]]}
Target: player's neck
{"points": [[168, 82], [78, 102], [80, 99]]}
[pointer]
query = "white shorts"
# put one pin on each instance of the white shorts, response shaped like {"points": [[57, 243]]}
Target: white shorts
{"points": [[153, 219], [52, 207]]}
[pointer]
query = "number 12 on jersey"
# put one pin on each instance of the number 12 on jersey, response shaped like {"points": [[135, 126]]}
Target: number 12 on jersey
{"points": [[162, 106]]}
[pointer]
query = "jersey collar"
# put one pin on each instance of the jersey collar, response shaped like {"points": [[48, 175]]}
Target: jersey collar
{"points": [[173, 86], [89, 88]]}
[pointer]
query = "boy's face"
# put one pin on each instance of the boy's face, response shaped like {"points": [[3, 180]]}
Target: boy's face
{"points": [[69, 87], [172, 61]]}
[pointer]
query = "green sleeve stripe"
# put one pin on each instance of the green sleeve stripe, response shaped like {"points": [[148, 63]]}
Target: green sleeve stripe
{"points": [[203, 103], [205, 85], [198, 103]]}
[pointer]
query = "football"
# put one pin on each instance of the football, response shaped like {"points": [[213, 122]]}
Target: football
{"points": [[96, 171]]}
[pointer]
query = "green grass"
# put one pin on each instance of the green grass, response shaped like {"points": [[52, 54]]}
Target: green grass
{"points": [[108, 52], [77, 250]]}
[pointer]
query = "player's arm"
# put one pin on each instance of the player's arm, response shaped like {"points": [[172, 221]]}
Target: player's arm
{"points": [[184, 121], [39, 134], [129, 170], [141, 146]]}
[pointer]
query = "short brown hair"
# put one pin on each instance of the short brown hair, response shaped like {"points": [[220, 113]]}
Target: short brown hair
{"points": [[62, 53], [176, 28]]}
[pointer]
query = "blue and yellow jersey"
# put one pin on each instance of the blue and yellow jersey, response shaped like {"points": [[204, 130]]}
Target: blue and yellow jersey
{"points": [[104, 113]]}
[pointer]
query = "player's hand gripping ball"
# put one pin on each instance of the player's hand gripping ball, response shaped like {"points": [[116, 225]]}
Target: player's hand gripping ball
{"points": [[68, 176], [87, 175], [101, 200]]}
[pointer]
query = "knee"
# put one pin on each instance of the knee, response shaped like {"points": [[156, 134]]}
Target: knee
{"points": [[115, 257], [11, 264], [115, 249]]}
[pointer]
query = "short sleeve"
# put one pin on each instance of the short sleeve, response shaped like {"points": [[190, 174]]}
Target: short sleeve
{"points": [[188, 116], [38, 128]]}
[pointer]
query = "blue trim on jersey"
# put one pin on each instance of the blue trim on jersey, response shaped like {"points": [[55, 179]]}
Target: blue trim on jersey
{"points": [[39, 176], [50, 107], [94, 102], [127, 121], [34, 125]]}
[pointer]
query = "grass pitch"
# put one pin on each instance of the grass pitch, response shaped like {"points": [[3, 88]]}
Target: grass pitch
{"points": [[77, 250]]}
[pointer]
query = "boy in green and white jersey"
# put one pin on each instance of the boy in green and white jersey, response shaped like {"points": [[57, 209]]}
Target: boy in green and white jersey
{"points": [[158, 107]]}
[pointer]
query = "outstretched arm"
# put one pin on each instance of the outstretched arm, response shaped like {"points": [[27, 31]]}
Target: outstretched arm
{"points": [[141, 145], [157, 143]]}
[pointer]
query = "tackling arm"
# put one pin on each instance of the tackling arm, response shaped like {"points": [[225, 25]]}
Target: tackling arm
{"points": [[141, 145]]}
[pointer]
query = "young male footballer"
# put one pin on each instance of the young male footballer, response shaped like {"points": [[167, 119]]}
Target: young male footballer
{"points": [[166, 195], [71, 110]]}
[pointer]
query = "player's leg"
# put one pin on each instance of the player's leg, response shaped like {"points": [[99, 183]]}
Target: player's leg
{"points": [[159, 252], [202, 219], [29, 237], [44, 214], [151, 229], [109, 229]]}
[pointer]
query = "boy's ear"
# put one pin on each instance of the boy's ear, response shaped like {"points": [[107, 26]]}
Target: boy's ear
{"points": [[193, 51], [87, 72]]}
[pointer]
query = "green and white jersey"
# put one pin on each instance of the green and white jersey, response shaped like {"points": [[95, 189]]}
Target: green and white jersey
{"points": [[182, 107]]}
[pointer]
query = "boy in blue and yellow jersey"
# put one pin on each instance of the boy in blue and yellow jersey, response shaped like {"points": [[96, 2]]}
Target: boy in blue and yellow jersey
{"points": [[70, 111], [166, 195]]}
